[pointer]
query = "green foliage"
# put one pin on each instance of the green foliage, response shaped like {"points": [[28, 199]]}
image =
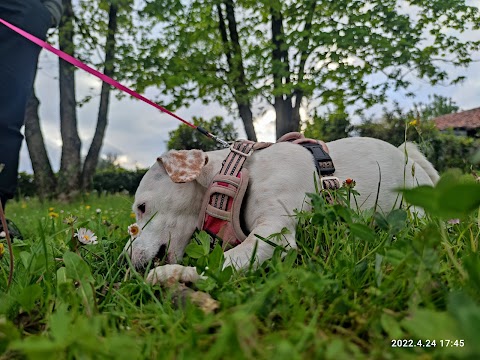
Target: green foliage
{"points": [[108, 163], [444, 149], [396, 125], [209, 263], [91, 26], [26, 185], [437, 106], [111, 180], [328, 127], [186, 138], [118, 180], [358, 281], [450, 197], [328, 49]]}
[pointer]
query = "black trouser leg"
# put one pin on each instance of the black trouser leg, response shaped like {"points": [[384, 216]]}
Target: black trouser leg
{"points": [[18, 63]]}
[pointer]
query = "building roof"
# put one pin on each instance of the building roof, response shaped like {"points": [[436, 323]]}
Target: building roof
{"points": [[469, 119]]}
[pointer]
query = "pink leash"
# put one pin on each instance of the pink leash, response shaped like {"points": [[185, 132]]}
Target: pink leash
{"points": [[106, 79]]}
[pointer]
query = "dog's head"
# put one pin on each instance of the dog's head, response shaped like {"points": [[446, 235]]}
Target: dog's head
{"points": [[167, 204]]}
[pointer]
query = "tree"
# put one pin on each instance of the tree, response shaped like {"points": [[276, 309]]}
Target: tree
{"points": [[238, 52], [444, 149], [45, 180], [92, 22], [438, 106], [186, 138], [90, 163], [69, 174], [396, 125], [328, 127]]}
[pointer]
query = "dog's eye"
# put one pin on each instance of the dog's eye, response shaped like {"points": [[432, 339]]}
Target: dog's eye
{"points": [[141, 208]]}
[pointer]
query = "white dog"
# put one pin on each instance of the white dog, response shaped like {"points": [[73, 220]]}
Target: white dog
{"points": [[280, 176]]}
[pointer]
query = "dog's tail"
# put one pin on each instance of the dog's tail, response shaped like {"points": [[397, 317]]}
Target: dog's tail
{"points": [[413, 153]]}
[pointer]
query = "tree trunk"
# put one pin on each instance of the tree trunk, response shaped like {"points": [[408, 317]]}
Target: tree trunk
{"points": [[246, 115], [284, 116], [69, 175], [281, 75], [45, 180], [93, 153], [233, 52], [305, 51]]}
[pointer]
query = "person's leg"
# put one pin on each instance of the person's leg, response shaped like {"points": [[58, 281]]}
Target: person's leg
{"points": [[18, 63]]}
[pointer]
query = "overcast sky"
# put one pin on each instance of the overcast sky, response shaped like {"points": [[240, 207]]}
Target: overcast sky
{"points": [[137, 133]]}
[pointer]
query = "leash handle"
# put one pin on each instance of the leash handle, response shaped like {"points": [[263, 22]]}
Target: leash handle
{"points": [[75, 62]]}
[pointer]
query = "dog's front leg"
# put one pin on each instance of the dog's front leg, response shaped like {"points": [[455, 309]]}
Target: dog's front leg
{"points": [[169, 274], [241, 255]]}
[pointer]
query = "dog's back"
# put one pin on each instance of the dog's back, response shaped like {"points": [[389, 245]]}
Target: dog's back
{"points": [[411, 151], [371, 162]]}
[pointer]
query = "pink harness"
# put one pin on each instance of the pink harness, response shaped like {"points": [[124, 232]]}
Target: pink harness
{"points": [[220, 216]]}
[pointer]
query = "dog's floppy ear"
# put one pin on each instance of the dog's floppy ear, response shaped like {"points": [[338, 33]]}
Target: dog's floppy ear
{"points": [[183, 165]]}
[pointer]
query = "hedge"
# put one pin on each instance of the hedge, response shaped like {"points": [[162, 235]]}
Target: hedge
{"points": [[106, 181]]}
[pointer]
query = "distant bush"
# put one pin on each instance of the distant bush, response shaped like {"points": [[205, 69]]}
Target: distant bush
{"points": [[111, 181], [26, 185], [446, 151], [186, 138], [118, 180]]}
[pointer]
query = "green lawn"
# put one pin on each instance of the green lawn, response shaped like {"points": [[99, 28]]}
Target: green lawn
{"points": [[358, 283]]}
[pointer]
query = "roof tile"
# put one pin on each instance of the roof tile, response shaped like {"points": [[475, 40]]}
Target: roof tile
{"points": [[469, 119]]}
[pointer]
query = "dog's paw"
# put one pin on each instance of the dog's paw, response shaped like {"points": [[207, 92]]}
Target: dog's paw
{"points": [[171, 274]]}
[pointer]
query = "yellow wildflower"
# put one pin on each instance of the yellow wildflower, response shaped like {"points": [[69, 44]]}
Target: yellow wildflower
{"points": [[2, 250], [87, 207], [70, 220], [132, 215], [414, 122], [50, 209], [52, 214]]}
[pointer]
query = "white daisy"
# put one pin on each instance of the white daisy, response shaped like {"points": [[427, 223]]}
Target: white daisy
{"points": [[86, 236], [134, 230]]}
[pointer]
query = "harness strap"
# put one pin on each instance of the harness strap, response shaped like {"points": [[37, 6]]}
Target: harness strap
{"points": [[318, 149], [222, 202], [323, 161], [224, 196]]}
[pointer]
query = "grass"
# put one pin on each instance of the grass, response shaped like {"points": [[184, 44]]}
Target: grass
{"points": [[357, 283]]}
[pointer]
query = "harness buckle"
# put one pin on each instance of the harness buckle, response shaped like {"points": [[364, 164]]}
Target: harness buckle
{"points": [[323, 161], [241, 153], [335, 180]]}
